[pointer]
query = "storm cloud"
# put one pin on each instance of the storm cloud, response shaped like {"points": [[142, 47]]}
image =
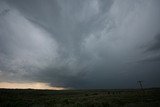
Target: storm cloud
{"points": [[80, 43]]}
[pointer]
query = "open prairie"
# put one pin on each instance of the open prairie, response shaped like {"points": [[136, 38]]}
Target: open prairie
{"points": [[80, 98]]}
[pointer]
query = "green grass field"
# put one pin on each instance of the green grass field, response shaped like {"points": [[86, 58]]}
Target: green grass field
{"points": [[80, 98]]}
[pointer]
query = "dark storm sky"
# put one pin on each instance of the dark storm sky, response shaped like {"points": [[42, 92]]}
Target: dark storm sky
{"points": [[80, 43]]}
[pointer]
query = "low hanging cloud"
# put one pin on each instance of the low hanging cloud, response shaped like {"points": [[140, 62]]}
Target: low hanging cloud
{"points": [[79, 44]]}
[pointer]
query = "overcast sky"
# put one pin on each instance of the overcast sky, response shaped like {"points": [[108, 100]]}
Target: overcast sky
{"points": [[80, 43]]}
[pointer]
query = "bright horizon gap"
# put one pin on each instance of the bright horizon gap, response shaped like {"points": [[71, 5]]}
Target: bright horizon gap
{"points": [[32, 85]]}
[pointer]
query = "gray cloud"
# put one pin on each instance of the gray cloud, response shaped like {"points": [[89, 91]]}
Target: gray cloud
{"points": [[156, 45], [78, 44], [152, 50]]}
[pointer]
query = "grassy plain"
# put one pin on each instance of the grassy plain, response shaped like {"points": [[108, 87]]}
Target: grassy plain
{"points": [[80, 98]]}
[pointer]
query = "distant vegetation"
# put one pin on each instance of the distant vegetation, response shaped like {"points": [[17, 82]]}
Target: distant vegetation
{"points": [[79, 98]]}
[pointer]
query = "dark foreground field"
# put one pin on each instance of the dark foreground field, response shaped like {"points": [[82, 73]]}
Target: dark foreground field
{"points": [[79, 98]]}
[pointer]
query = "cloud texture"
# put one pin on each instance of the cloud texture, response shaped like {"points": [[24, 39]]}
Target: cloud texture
{"points": [[80, 43]]}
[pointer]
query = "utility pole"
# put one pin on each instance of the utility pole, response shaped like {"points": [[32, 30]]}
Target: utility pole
{"points": [[141, 94], [140, 83]]}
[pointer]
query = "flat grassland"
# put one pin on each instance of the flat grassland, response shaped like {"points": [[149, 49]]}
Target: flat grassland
{"points": [[80, 98]]}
